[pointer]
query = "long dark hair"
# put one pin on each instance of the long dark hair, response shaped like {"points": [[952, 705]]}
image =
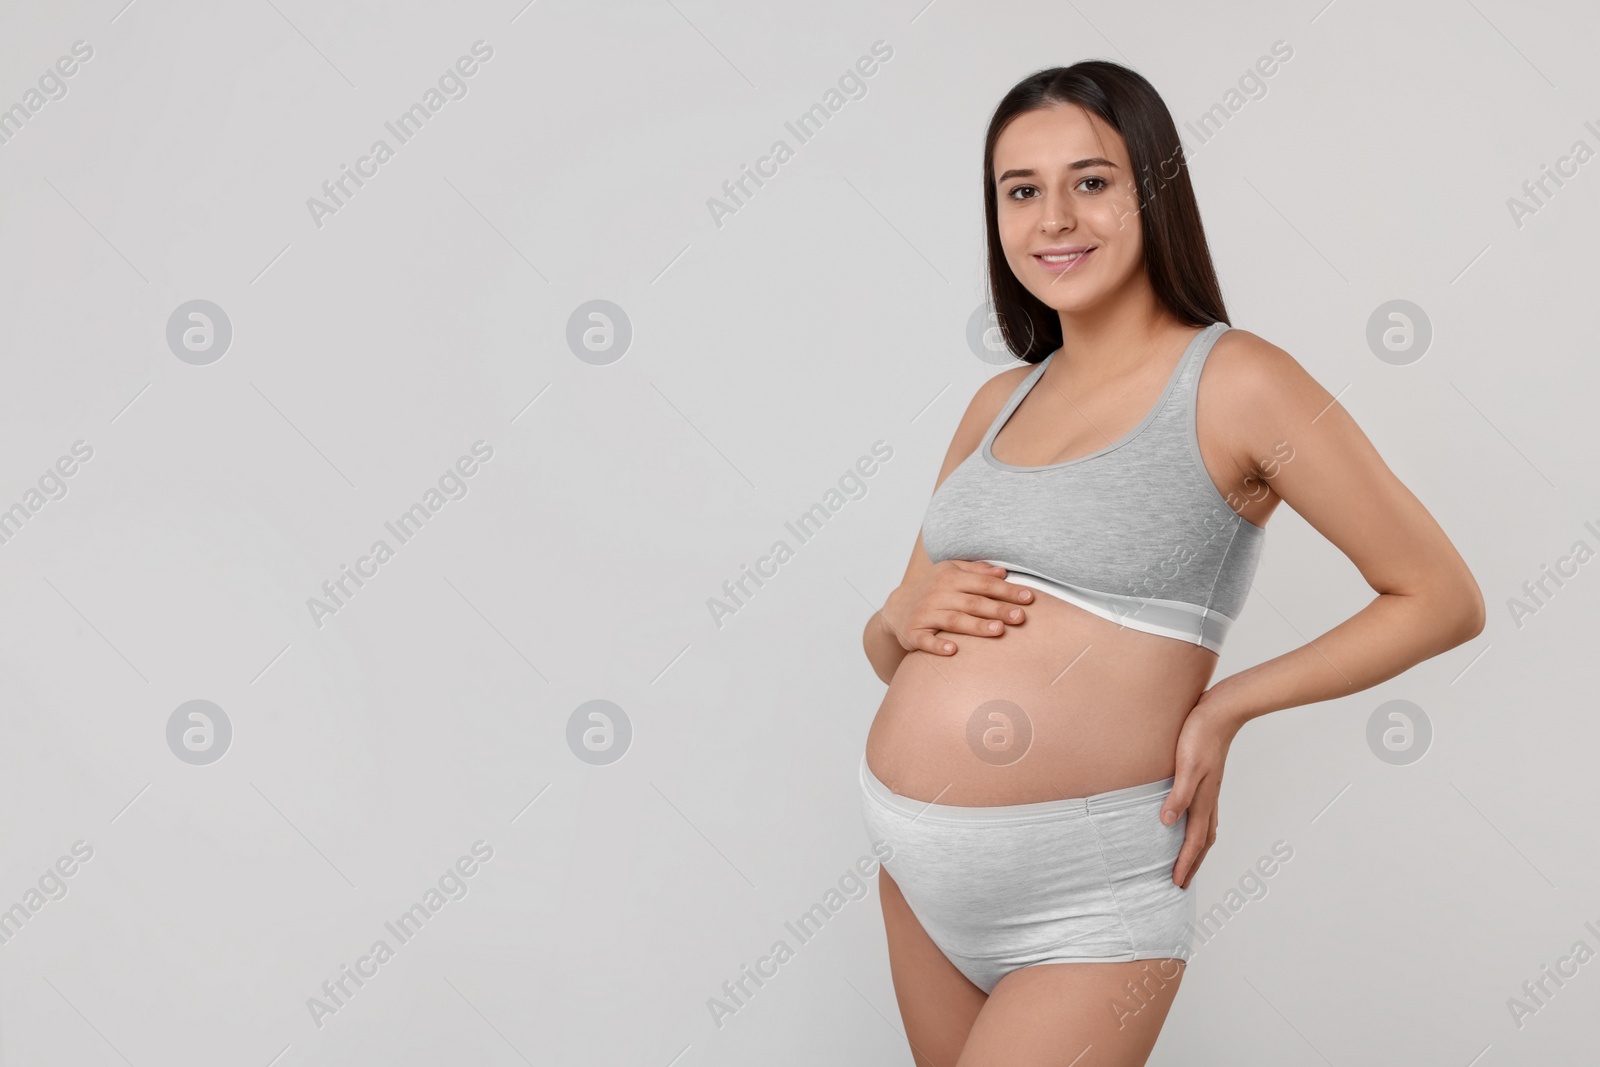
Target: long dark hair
{"points": [[1175, 253]]}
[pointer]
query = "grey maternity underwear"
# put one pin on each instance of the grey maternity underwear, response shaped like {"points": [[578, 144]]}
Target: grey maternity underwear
{"points": [[1060, 881]]}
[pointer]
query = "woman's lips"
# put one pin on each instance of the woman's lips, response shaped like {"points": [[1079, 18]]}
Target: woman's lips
{"points": [[1066, 267]]}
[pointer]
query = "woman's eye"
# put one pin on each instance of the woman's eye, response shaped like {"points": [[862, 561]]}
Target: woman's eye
{"points": [[1100, 185]]}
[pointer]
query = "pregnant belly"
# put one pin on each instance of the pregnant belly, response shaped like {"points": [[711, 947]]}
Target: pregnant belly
{"points": [[1067, 704]]}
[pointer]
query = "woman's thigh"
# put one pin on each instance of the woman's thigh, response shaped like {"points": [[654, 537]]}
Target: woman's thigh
{"points": [[937, 1003], [1078, 1014]]}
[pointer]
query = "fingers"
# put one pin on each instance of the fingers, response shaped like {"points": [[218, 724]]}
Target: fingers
{"points": [[972, 599], [1179, 799], [1193, 846], [930, 641], [1198, 836], [929, 638], [1209, 839], [994, 585], [990, 581], [976, 601], [921, 639], [975, 615], [983, 608], [975, 566], [1011, 592], [990, 598]]}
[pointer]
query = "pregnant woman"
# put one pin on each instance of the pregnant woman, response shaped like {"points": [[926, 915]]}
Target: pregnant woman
{"points": [[1046, 763]]}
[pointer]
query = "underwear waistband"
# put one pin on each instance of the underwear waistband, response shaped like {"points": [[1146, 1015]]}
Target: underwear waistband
{"points": [[1067, 807]]}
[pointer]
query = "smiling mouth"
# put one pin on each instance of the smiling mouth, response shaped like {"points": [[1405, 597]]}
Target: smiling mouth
{"points": [[1061, 264]]}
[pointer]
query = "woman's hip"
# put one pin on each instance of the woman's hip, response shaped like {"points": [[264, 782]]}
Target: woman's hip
{"points": [[1067, 879]]}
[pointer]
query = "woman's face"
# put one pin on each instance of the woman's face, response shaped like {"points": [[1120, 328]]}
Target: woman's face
{"points": [[1063, 184]]}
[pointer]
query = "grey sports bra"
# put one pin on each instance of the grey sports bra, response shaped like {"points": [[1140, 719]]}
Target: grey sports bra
{"points": [[1137, 532]]}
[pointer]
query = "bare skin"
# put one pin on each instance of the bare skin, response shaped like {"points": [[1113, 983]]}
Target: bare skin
{"points": [[1110, 706]]}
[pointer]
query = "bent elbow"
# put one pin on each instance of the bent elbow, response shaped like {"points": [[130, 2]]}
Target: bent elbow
{"points": [[1472, 614]]}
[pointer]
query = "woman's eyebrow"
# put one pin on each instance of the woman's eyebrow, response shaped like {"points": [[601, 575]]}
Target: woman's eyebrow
{"points": [[1082, 164]]}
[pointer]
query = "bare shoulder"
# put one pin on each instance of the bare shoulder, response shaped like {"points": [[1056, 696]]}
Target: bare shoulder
{"points": [[982, 409], [990, 397], [1250, 369], [1252, 392], [1326, 468]]}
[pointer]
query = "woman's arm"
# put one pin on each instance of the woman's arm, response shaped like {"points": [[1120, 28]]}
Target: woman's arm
{"points": [[1260, 402], [1427, 600], [878, 640], [881, 644]]}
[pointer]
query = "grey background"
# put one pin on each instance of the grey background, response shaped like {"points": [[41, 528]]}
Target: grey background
{"points": [[767, 355]]}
